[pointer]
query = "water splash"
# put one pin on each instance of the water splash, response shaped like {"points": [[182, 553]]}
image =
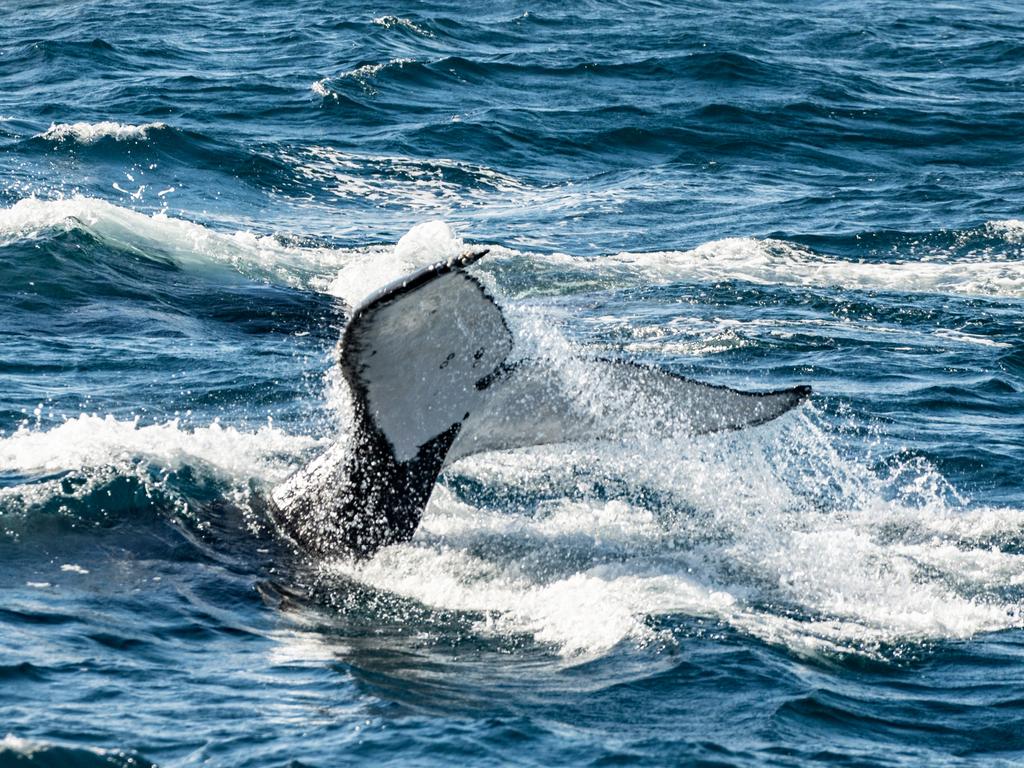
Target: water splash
{"points": [[770, 531]]}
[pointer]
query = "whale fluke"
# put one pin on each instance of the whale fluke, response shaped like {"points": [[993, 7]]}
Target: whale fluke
{"points": [[427, 361], [536, 403], [412, 355]]}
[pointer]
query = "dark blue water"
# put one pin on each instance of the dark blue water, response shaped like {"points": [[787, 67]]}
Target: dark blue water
{"points": [[759, 194]]}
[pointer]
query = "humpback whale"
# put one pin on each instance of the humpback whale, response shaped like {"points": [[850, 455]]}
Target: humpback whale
{"points": [[428, 361]]}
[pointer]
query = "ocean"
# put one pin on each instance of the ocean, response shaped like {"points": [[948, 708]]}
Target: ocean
{"points": [[193, 196]]}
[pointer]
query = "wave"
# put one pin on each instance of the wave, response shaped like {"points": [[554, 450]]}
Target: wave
{"points": [[163, 237], [427, 187], [91, 441], [349, 272], [147, 147], [327, 87], [778, 262], [723, 67], [772, 261], [44, 753], [89, 133], [1012, 230], [69, 52], [102, 470], [389, 22]]}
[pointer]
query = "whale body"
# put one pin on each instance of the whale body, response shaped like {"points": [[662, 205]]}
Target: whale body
{"points": [[427, 360]]}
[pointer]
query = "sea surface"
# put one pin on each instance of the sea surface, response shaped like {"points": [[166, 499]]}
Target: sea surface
{"points": [[758, 194]]}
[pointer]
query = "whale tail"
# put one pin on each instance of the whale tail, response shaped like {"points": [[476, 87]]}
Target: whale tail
{"points": [[426, 359]]}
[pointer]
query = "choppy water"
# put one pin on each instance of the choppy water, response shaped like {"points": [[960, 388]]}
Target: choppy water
{"points": [[759, 194]]}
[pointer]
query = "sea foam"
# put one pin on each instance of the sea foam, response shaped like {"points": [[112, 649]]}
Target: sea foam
{"points": [[746, 542], [89, 133], [94, 441]]}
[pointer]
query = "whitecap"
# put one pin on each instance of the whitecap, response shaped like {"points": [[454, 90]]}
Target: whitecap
{"points": [[89, 133], [1011, 230], [777, 262], [90, 441], [398, 21], [362, 74], [159, 235]]}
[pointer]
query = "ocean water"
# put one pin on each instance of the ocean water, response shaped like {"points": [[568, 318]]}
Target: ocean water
{"points": [[759, 194]]}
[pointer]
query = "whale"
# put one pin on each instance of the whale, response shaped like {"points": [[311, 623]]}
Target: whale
{"points": [[428, 360]]}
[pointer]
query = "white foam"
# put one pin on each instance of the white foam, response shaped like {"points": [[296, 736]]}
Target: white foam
{"points": [[361, 75], [780, 263], [776, 262], [100, 451], [962, 337], [398, 21], [695, 336], [749, 523], [299, 647], [12, 743], [162, 236], [539, 588], [91, 441], [425, 189], [29, 748], [424, 244], [89, 133], [1012, 230]]}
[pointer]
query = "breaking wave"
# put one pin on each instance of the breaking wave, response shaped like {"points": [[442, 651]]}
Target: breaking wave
{"points": [[777, 262], [89, 133], [158, 235], [91, 441], [398, 21], [983, 272]]}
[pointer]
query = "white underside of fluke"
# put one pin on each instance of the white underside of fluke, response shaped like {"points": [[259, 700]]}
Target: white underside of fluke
{"points": [[420, 358]]}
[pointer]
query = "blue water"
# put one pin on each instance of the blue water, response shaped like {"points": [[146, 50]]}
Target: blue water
{"points": [[759, 194]]}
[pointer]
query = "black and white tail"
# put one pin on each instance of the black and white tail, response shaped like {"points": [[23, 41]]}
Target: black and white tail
{"points": [[426, 359]]}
